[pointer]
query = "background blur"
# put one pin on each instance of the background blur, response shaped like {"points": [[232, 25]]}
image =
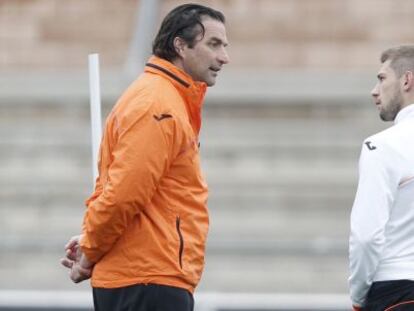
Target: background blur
{"points": [[280, 141]]}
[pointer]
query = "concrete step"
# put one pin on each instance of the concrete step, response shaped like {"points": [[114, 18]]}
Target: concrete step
{"points": [[229, 273], [70, 168], [279, 273], [215, 132], [255, 223]]}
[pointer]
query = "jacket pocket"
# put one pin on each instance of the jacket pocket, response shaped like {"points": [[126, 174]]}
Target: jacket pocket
{"points": [[180, 236]]}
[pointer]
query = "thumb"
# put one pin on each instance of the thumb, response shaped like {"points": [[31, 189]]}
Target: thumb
{"points": [[72, 242]]}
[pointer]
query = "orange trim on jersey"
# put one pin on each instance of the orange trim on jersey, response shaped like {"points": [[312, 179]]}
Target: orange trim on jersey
{"points": [[399, 304]]}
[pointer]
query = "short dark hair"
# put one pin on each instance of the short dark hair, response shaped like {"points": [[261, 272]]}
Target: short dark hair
{"points": [[185, 21], [401, 57]]}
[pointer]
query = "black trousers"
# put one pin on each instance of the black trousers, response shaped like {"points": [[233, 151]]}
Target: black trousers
{"points": [[391, 296], [140, 297]]}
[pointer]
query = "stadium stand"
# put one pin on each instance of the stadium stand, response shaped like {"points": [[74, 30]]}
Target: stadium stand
{"points": [[280, 140]]}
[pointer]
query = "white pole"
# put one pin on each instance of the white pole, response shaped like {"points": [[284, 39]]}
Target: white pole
{"points": [[95, 101]]}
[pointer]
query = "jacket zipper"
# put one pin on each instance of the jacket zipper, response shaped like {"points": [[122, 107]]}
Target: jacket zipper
{"points": [[180, 253]]}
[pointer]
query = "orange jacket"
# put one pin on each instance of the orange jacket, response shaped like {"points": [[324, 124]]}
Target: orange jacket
{"points": [[147, 220]]}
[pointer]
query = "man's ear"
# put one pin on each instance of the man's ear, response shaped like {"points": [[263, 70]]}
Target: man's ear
{"points": [[179, 45], [408, 81]]}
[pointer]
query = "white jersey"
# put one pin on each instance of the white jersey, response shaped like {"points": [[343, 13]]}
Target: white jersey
{"points": [[381, 245]]}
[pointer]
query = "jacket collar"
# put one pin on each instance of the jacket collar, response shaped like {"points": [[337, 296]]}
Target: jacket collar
{"points": [[191, 91], [405, 113]]}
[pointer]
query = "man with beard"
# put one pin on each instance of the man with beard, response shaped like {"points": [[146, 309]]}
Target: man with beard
{"points": [[381, 246]]}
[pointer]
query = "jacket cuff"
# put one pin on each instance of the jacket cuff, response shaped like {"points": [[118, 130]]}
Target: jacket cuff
{"points": [[90, 255]]}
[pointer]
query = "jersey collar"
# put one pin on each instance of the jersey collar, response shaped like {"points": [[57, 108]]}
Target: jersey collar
{"points": [[405, 113]]}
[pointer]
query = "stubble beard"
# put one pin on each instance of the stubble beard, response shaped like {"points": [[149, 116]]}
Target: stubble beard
{"points": [[390, 112]]}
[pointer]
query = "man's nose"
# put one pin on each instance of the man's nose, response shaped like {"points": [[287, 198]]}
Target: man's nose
{"points": [[224, 57], [375, 92]]}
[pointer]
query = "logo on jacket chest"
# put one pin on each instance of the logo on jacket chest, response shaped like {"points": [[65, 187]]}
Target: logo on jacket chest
{"points": [[370, 146], [162, 117]]}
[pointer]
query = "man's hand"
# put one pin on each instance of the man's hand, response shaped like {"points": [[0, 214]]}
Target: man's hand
{"points": [[73, 252], [76, 261], [356, 308], [78, 273]]}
